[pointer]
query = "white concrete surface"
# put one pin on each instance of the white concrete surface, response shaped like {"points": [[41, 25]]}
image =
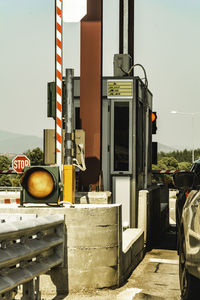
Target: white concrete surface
{"points": [[172, 207]]}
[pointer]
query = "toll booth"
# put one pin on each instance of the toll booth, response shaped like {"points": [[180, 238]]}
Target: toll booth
{"points": [[126, 139]]}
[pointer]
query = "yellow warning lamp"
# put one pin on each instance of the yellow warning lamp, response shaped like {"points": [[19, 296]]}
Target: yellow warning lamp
{"points": [[41, 184]]}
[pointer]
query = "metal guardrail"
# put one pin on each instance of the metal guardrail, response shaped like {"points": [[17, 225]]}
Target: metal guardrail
{"points": [[10, 171], [28, 248], [168, 172], [10, 188]]}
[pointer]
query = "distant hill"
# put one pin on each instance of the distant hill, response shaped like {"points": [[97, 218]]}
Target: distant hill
{"points": [[15, 143], [11, 142], [165, 148]]}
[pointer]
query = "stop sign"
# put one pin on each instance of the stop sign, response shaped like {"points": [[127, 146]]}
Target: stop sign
{"points": [[19, 162]]}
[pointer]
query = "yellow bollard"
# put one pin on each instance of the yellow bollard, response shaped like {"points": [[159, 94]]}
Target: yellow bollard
{"points": [[69, 183]]}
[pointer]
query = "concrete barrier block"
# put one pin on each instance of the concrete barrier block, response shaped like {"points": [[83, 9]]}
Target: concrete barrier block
{"points": [[127, 260], [48, 287], [134, 263], [75, 279], [133, 248], [131, 237], [94, 197], [149, 216], [93, 214], [90, 258], [90, 214], [98, 277], [92, 248], [95, 236], [142, 211]]}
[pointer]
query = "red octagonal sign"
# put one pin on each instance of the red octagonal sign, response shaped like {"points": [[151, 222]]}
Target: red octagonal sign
{"points": [[19, 162]]}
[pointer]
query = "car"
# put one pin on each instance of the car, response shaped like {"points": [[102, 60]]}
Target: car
{"points": [[181, 197], [188, 231]]}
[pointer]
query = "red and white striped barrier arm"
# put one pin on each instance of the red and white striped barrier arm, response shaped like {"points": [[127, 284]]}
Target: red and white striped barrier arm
{"points": [[10, 171], [10, 201], [170, 172], [9, 197], [58, 82]]}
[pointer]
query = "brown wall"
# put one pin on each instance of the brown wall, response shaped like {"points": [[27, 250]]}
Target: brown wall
{"points": [[90, 89]]}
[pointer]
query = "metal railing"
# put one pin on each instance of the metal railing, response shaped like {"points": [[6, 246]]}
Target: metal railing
{"points": [[29, 247], [10, 188]]}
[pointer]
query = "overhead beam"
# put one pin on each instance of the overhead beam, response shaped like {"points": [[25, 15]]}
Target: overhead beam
{"points": [[90, 89]]}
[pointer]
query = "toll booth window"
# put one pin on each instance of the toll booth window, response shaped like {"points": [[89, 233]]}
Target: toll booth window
{"points": [[140, 137], [121, 136], [77, 118]]}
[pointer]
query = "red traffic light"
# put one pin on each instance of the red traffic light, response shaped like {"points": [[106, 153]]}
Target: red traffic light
{"points": [[154, 119], [153, 116]]}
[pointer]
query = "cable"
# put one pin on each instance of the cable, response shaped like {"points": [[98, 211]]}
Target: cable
{"points": [[76, 164], [123, 71], [136, 65], [67, 202], [145, 74]]}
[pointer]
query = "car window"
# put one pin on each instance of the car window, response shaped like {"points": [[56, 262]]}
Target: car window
{"points": [[196, 168]]}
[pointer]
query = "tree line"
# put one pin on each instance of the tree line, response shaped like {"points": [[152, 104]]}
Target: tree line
{"points": [[181, 156], [175, 160], [36, 158]]}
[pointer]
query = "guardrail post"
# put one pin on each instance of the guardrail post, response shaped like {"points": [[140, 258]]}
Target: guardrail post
{"points": [[37, 288], [31, 290], [9, 296], [28, 290]]}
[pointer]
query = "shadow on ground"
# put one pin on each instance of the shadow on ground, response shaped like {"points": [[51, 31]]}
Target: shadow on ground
{"points": [[167, 240]]}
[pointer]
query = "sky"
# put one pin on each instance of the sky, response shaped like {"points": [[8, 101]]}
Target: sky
{"points": [[167, 44]]}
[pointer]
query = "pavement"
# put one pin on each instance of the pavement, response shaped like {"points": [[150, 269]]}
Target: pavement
{"points": [[156, 277]]}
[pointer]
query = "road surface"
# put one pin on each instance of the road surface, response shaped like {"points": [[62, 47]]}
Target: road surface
{"points": [[155, 278]]}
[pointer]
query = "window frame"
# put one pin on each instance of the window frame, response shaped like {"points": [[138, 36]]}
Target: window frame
{"points": [[130, 167]]}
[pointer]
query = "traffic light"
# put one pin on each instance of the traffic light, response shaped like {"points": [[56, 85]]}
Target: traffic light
{"points": [[154, 153], [154, 119], [51, 99], [41, 184]]}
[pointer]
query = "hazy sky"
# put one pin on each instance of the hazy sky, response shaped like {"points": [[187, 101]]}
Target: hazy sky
{"points": [[167, 44]]}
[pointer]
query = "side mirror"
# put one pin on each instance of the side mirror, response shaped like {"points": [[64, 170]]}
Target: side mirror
{"points": [[184, 180]]}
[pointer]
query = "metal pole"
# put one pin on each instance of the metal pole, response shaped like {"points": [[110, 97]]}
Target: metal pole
{"points": [[131, 30], [146, 149], [69, 168], [125, 27], [192, 138], [68, 116]]}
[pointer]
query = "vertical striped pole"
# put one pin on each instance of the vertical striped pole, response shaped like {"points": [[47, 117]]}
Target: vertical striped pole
{"points": [[59, 82]]}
